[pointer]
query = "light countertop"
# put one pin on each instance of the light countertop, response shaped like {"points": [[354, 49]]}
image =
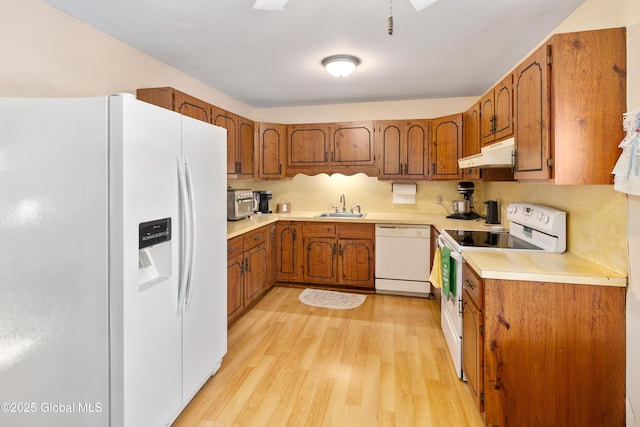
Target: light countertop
{"points": [[507, 265], [541, 267], [236, 228]]}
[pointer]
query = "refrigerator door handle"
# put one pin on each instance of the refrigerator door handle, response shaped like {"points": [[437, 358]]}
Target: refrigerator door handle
{"points": [[185, 247], [192, 234]]}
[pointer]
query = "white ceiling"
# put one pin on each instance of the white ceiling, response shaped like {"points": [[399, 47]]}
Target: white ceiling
{"points": [[270, 59]]}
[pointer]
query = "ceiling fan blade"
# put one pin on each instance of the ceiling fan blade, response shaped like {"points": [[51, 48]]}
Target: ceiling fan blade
{"points": [[270, 4], [422, 4]]}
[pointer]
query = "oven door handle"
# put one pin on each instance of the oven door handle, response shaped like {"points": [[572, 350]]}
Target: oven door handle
{"points": [[454, 254]]}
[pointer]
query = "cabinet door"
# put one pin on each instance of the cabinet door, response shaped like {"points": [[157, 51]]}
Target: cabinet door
{"points": [[487, 124], [271, 144], [356, 262], [391, 148], [289, 241], [472, 350], [589, 91], [416, 149], [352, 144], [403, 149], [532, 116], [446, 147], [503, 110], [320, 259], [245, 152], [471, 139], [235, 268], [229, 121], [496, 119], [256, 274], [192, 107], [308, 144], [171, 99], [273, 255]]}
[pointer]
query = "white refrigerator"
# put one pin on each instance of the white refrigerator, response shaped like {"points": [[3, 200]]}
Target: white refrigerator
{"points": [[112, 261]]}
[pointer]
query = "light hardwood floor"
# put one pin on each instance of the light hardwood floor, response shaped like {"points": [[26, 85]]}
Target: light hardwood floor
{"points": [[384, 363]]}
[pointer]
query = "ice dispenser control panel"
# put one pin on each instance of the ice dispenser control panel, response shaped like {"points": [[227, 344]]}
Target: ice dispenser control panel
{"points": [[153, 232]]}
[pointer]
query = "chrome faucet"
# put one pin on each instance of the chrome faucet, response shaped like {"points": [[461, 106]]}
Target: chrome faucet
{"points": [[343, 200]]}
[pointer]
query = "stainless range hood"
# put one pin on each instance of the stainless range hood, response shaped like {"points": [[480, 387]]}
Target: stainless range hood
{"points": [[498, 155]]}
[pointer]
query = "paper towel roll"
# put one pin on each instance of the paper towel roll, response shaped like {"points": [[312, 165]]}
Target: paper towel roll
{"points": [[404, 194]]}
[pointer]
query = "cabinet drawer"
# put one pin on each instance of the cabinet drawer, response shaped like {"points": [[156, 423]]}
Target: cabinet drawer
{"points": [[356, 231], [255, 237], [319, 229], [474, 285], [234, 247]]}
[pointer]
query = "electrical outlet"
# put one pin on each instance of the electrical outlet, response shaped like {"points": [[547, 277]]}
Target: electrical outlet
{"points": [[438, 200]]}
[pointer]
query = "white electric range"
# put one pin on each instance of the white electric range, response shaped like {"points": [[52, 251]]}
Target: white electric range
{"points": [[532, 227]]}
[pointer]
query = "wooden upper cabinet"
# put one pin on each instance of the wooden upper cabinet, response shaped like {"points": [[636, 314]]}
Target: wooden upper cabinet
{"points": [[497, 112], [245, 152], [308, 144], [270, 144], [532, 112], [192, 107], [240, 131], [471, 138], [315, 148], [172, 99], [352, 143], [446, 147], [569, 99], [403, 149], [229, 121]]}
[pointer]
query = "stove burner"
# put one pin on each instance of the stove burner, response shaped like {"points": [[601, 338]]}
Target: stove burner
{"points": [[488, 239]]}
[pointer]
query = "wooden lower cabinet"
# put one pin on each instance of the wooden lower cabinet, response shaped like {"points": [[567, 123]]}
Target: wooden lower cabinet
{"points": [[248, 270], [554, 354], [289, 252], [320, 260], [235, 282], [356, 263], [273, 254], [472, 332], [256, 272], [326, 253], [339, 254]]}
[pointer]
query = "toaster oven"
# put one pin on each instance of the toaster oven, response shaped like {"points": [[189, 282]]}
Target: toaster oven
{"points": [[239, 204]]}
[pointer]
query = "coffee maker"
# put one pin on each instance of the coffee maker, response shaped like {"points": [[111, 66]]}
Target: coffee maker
{"points": [[263, 203], [464, 209]]}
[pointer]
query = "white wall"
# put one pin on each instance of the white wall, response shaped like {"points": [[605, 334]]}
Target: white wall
{"points": [[47, 53]]}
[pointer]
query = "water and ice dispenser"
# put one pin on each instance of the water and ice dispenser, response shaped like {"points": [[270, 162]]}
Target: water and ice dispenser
{"points": [[154, 254]]}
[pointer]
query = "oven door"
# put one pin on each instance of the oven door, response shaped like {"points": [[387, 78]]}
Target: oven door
{"points": [[451, 311]]}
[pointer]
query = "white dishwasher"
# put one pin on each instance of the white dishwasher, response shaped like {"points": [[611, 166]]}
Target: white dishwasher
{"points": [[402, 259]]}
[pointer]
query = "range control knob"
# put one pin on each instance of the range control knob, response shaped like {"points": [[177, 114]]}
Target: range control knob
{"points": [[545, 219], [539, 216], [512, 209]]}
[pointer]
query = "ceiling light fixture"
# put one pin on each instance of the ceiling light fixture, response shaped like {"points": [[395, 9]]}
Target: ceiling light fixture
{"points": [[340, 65]]}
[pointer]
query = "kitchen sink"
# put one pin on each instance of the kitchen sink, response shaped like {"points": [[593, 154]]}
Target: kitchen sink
{"points": [[341, 215]]}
